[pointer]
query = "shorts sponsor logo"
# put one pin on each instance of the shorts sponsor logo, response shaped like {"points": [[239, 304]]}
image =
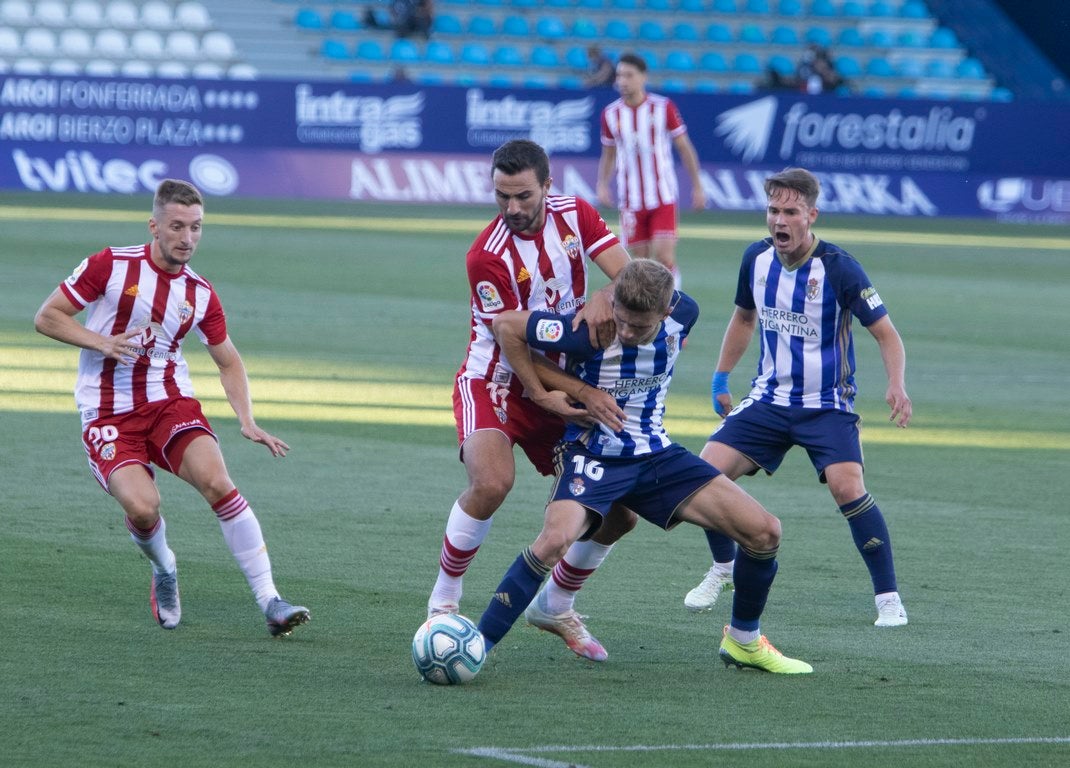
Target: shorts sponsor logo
{"points": [[549, 330]]}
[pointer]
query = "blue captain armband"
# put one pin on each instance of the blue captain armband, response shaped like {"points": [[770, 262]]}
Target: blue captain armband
{"points": [[719, 386]]}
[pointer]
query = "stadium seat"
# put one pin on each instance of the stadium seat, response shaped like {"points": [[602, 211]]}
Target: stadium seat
{"points": [[64, 68], [594, 5], [719, 33], [685, 31], [334, 49], [28, 66], [784, 35], [193, 16], [706, 86], [673, 85], [970, 69], [725, 6], [39, 42], [475, 53], [819, 36], [516, 26], [713, 61], [782, 65], [651, 57], [172, 69], [757, 7], [823, 8], [999, 93], [536, 81], [746, 62], [429, 78], [751, 33], [659, 6], [874, 92], [109, 44], [551, 28], [693, 6], [121, 14], [85, 14], [51, 13], [616, 29], [625, 5], [850, 37], [438, 52], [584, 29], [481, 26], [741, 87], [136, 69], [207, 70], [308, 18], [910, 38], [557, 3], [507, 56], [9, 42], [16, 13], [912, 9], [544, 56], [852, 9], [881, 9], [147, 44], [182, 45], [576, 57], [501, 81], [881, 38], [679, 61], [942, 37], [651, 31], [156, 14], [218, 46], [75, 43], [848, 66], [790, 8], [242, 71], [101, 68], [345, 21], [911, 67], [446, 24], [370, 50], [879, 66], [404, 51], [570, 81]]}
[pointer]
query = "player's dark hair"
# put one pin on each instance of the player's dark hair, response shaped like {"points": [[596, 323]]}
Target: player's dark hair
{"points": [[175, 191], [798, 180], [634, 59], [521, 155], [644, 285]]}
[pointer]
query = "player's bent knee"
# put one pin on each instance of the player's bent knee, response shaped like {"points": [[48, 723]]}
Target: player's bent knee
{"points": [[618, 523]]}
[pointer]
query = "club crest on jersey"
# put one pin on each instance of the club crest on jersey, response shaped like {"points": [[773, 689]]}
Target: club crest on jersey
{"points": [[670, 345], [576, 486], [185, 312], [571, 244], [813, 289], [549, 330], [871, 297], [488, 296], [107, 451]]}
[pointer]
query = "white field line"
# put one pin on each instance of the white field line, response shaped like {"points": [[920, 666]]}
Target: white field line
{"points": [[527, 755]]}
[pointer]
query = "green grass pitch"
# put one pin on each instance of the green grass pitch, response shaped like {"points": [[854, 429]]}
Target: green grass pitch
{"points": [[352, 321]]}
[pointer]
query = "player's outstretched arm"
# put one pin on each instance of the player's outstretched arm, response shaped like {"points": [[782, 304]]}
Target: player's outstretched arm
{"points": [[894, 356], [236, 386]]}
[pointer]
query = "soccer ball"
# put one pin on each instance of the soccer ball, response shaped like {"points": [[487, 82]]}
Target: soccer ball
{"points": [[448, 649]]}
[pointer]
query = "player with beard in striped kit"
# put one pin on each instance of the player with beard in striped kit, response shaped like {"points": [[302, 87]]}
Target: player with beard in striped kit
{"points": [[135, 395]]}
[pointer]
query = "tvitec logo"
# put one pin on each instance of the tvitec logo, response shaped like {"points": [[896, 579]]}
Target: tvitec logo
{"points": [[748, 129]]}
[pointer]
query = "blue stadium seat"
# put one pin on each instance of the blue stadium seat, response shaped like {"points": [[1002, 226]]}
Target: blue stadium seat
{"points": [[551, 28], [851, 38], [970, 69], [360, 76], [439, 53], [848, 66], [491, 3], [570, 81], [591, 4], [913, 9], [345, 21], [746, 62], [879, 66], [911, 67], [584, 29], [908, 92], [652, 31], [881, 38], [625, 5], [516, 26], [942, 37], [725, 6], [308, 18], [874, 92], [712, 61], [660, 6], [693, 6], [673, 85], [782, 65], [823, 9], [481, 26], [429, 78], [651, 57], [544, 56], [881, 9], [501, 81], [370, 50], [508, 56], [679, 61], [742, 87], [852, 9], [939, 68], [576, 57], [751, 33], [910, 38], [758, 7], [617, 29], [475, 53], [536, 81], [819, 36], [790, 8], [404, 51], [999, 93], [685, 31], [557, 3], [334, 49], [706, 86], [784, 35], [446, 24], [719, 33]]}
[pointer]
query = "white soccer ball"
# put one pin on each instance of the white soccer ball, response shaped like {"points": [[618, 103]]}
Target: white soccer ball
{"points": [[448, 649]]}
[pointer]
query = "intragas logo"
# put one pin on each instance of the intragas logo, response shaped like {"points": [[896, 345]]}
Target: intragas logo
{"points": [[557, 126], [1013, 194], [748, 130], [373, 123]]}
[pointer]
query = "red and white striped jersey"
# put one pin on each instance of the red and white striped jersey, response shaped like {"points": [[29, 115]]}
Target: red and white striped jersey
{"points": [[546, 271], [123, 290], [646, 177]]}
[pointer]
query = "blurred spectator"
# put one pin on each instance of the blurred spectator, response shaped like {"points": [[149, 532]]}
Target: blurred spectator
{"points": [[816, 72], [775, 80], [600, 70], [405, 17]]}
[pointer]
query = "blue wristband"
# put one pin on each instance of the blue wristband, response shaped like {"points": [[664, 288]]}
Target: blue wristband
{"points": [[719, 386]]}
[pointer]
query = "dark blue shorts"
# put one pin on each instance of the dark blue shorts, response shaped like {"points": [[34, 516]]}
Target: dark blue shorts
{"points": [[764, 433], [652, 485]]}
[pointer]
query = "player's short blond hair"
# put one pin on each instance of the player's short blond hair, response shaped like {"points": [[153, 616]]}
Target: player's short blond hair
{"points": [[644, 285]]}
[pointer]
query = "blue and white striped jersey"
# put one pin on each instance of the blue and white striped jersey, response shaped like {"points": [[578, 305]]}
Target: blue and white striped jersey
{"points": [[804, 322], [638, 377]]}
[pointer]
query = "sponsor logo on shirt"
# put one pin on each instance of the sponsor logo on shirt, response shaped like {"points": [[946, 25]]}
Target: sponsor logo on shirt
{"points": [[871, 297], [488, 296], [549, 330], [785, 321]]}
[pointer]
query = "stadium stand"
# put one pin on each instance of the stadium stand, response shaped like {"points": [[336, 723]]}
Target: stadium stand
{"points": [[880, 47]]}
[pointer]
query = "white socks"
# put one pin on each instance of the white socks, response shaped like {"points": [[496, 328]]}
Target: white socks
{"points": [[246, 542]]}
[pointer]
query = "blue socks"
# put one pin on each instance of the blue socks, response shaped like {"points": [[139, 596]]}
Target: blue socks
{"points": [[513, 595], [753, 576], [870, 534], [722, 547]]}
